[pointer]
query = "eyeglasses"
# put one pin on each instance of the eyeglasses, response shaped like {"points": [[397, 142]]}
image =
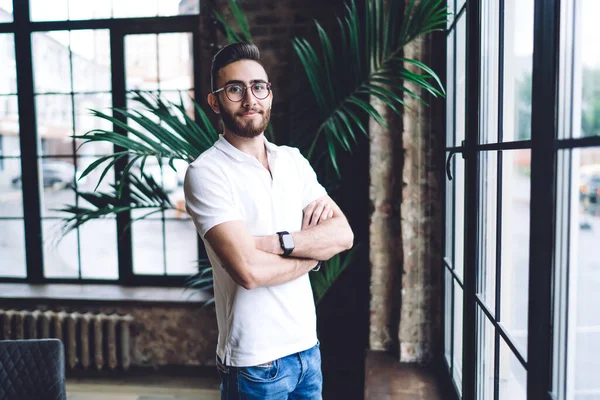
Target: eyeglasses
{"points": [[236, 92]]}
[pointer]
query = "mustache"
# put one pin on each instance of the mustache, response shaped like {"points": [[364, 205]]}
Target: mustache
{"points": [[256, 110]]}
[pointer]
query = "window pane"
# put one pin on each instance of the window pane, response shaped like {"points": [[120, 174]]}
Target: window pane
{"points": [[11, 195], [489, 71], [450, 60], [49, 10], [587, 67], [518, 67], [458, 332], [90, 181], [41, 10], [141, 62], [136, 8], [459, 214], [85, 122], [9, 126], [90, 9], [461, 77], [98, 245], [513, 377], [8, 71], [516, 196], [12, 248], [448, 317], [485, 357], [451, 14], [148, 247], [175, 61], [584, 271], [54, 117], [182, 247], [449, 234], [177, 7], [563, 199], [6, 11], [51, 64], [57, 175], [487, 226], [91, 60], [60, 253]]}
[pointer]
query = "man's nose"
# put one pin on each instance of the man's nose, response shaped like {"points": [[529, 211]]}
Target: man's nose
{"points": [[249, 100]]}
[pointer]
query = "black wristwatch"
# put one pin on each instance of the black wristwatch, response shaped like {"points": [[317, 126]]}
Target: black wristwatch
{"points": [[287, 243]]}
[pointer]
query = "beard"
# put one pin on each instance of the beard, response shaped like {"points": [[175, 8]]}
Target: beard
{"points": [[246, 129]]}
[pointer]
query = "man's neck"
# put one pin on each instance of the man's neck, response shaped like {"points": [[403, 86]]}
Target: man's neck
{"points": [[254, 147]]}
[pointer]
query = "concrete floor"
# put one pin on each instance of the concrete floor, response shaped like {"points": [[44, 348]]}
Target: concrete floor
{"points": [[143, 389]]}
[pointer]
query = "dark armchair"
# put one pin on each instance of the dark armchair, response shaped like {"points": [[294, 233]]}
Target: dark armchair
{"points": [[32, 370]]}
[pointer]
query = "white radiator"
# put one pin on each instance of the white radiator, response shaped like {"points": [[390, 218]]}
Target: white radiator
{"points": [[90, 340]]}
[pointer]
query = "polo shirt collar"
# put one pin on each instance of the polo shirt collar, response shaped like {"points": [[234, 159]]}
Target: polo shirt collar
{"points": [[229, 149]]}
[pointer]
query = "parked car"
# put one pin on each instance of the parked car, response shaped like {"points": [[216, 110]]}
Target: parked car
{"points": [[55, 174]]}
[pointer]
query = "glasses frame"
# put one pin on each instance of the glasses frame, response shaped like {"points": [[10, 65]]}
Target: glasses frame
{"points": [[245, 88]]}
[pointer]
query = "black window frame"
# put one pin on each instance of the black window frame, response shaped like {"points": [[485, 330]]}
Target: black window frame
{"points": [[22, 28], [545, 145]]}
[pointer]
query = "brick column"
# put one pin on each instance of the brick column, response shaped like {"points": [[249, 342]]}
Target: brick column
{"points": [[406, 195]]}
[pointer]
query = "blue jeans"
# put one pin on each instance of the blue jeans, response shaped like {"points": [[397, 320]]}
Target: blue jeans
{"points": [[297, 376]]}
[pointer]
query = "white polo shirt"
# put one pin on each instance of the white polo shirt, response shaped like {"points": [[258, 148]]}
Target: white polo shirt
{"points": [[224, 184]]}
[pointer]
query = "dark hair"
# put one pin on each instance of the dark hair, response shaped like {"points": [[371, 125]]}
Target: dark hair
{"points": [[230, 54]]}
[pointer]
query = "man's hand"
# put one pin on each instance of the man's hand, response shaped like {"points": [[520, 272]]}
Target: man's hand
{"points": [[316, 212]]}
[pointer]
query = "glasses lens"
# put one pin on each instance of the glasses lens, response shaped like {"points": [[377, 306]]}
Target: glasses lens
{"points": [[235, 92], [260, 90]]}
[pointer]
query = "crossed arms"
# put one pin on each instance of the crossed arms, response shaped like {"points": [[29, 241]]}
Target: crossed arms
{"points": [[255, 261]]}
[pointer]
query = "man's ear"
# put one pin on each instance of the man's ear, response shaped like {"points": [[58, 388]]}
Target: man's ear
{"points": [[213, 103]]}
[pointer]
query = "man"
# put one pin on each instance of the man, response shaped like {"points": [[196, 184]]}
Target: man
{"points": [[265, 221]]}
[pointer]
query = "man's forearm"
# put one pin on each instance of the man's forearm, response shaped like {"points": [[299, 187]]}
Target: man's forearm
{"points": [[323, 241], [266, 269], [320, 242]]}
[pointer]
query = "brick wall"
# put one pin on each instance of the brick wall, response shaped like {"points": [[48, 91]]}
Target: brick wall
{"points": [[406, 195], [273, 25]]}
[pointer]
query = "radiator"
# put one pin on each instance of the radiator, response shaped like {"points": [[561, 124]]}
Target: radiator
{"points": [[100, 340]]}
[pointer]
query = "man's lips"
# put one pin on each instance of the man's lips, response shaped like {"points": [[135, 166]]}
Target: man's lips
{"points": [[250, 114]]}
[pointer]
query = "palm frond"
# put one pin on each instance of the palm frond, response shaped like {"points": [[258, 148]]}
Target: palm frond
{"points": [[322, 280], [368, 63], [145, 195], [232, 35], [203, 279], [167, 133]]}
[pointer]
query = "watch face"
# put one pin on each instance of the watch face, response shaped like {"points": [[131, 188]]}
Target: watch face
{"points": [[288, 241]]}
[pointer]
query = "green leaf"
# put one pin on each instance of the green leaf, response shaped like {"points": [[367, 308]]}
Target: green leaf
{"points": [[331, 270]]}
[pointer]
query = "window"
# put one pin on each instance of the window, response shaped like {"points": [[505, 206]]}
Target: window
{"points": [[531, 200], [78, 64], [71, 10], [577, 338], [12, 240], [455, 194]]}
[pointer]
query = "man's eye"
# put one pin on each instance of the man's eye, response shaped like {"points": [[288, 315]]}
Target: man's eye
{"points": [[260, 86], [235, 89]]}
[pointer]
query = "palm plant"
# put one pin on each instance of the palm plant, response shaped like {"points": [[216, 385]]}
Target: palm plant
{"points": [[368, 63]]}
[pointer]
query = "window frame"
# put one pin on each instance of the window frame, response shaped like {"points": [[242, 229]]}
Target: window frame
{"points": [[546, 363], [118, 29]]}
